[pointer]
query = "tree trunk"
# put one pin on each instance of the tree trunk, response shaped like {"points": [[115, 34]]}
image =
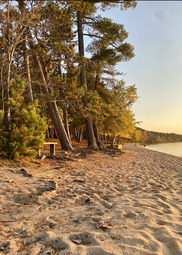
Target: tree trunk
{"points": [[2, 89], [59, 127], [8, 76], [97, 79], [80, 136], [89, 129], [100, 144], [113, 140], [6, 95], [51, 132], [54, 113], [52, 106], [28, 85], [104, 137], [65, 118], [76, 134], [90, 135], [81, 48], [108, 139]]}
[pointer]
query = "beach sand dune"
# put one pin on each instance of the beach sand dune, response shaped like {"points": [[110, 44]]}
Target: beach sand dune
{"points": [[94, 204]]}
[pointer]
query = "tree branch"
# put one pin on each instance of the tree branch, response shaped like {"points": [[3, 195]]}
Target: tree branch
{"points": [[100, 37]]}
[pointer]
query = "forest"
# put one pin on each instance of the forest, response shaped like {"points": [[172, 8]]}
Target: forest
{"points": [[52, 85], [143, 136]]}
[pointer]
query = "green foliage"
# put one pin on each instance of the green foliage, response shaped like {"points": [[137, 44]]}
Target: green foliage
{"points": [[115, 116], [26, 128], [52, 24]]}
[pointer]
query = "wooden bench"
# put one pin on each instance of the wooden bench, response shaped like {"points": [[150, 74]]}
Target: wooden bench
{"points": [[52, 148]]}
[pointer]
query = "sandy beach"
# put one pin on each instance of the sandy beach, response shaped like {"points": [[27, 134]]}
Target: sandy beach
{"points": [[122, 203]]}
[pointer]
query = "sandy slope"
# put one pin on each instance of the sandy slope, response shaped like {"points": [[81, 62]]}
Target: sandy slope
{"points": [[97, 204]]}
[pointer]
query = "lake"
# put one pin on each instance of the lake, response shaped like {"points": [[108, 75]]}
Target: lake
{"points": [[170, 148]]}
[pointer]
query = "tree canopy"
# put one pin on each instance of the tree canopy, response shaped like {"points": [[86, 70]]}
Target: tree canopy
{"points": [[42, 47]]}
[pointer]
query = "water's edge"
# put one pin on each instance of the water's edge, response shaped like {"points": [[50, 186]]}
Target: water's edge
{"points": [[174, 149]]}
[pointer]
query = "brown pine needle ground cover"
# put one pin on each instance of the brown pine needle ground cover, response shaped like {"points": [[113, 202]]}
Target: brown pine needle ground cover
{"points": [[86, 202]]}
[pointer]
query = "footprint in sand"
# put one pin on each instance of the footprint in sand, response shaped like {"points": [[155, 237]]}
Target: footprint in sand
{"points": [[87, 239], [84, 238], [56, 243], [162, 222], [44, 244], [97, 251]]}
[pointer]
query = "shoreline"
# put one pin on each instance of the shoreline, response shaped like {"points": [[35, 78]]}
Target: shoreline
{"points": [[146, 147], [97, 203], [165, 153]]}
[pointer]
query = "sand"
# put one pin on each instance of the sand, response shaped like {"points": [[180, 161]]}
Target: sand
{"points": [[98, 203]]}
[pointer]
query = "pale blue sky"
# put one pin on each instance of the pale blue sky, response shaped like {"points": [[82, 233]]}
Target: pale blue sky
{"points": [[155, 30]]}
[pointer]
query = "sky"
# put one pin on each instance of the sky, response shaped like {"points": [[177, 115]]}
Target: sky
{"points": [[155, 31]]}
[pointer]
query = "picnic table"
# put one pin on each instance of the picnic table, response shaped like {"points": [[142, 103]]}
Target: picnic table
{"points": [[52, 147]]}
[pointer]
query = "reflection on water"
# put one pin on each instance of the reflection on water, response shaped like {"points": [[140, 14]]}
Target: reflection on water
{"points": [[170, 148]]}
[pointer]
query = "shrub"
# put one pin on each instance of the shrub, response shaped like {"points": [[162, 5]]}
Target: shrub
{"points": [[26, 128]]}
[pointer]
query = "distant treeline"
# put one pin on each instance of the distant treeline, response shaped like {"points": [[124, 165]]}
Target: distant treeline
{"points": [[150, 137]]}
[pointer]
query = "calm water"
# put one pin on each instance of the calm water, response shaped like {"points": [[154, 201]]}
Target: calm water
{"points": [[170, 148]]}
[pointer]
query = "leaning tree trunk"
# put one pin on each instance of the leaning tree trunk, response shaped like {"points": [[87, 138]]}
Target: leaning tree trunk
{"points": [[89, 128], [100, 144], [90, 135], [54, 113], [51, 104], [65, 118]]}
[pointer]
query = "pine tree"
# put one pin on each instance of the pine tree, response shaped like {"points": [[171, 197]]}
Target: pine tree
{"points": [[119, 118], [13, 26], [107, 42], [42, 53], [38, 43], [26, 129]]}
